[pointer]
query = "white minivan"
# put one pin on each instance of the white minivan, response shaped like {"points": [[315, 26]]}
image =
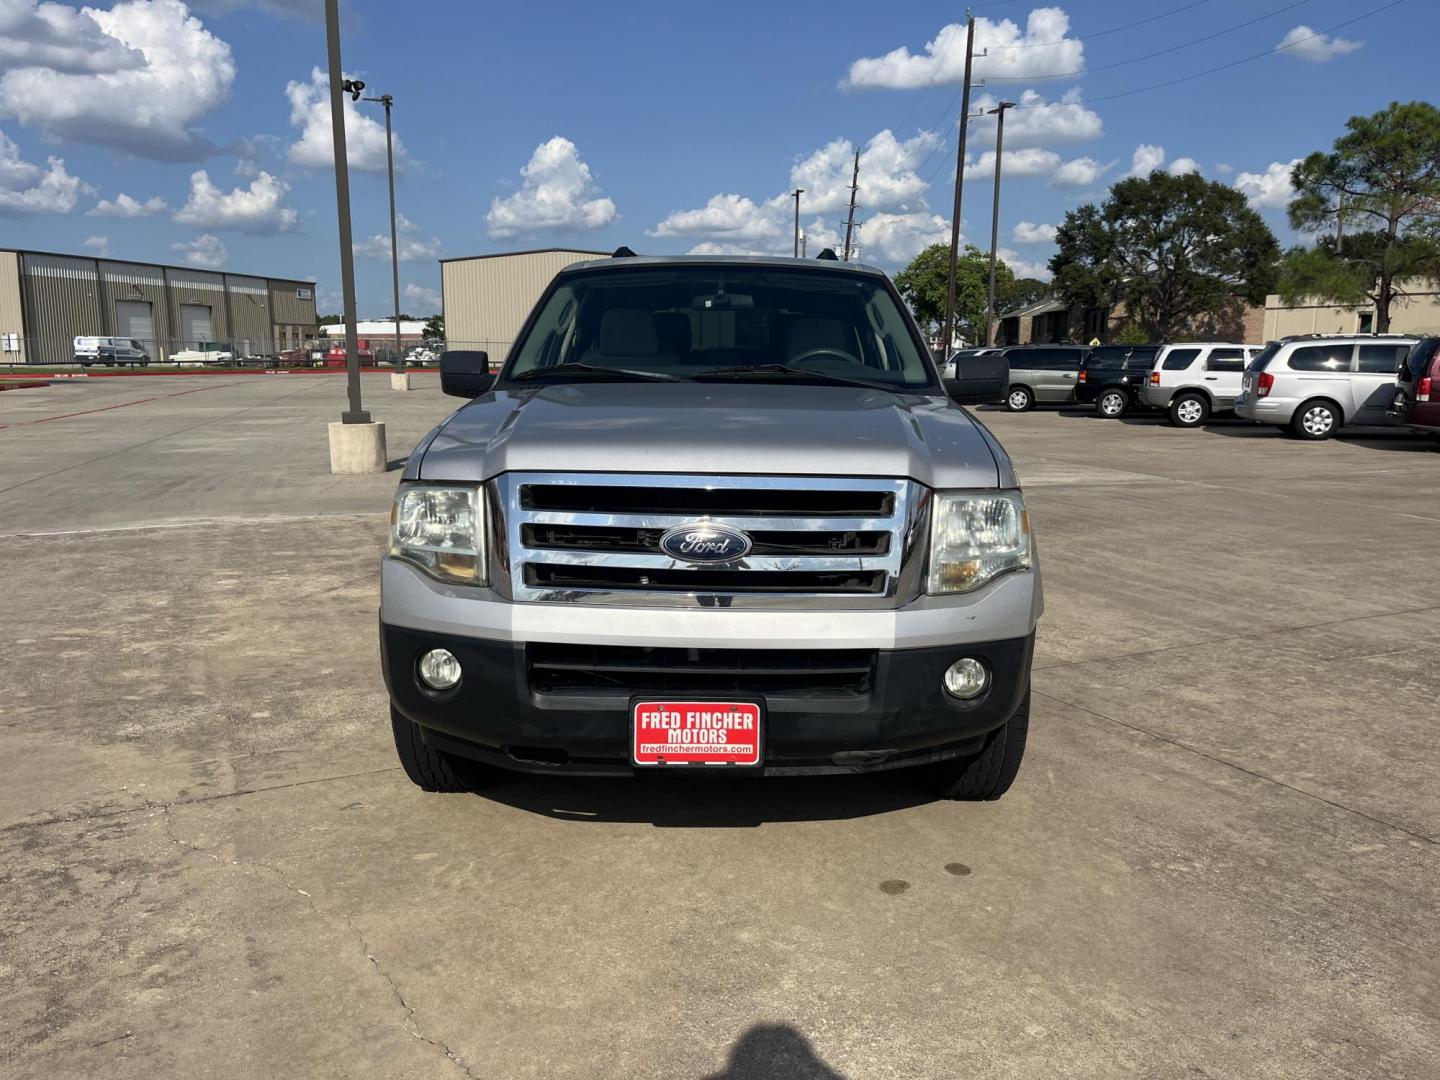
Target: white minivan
{"points": [[1194, 379], [1316, 384]]}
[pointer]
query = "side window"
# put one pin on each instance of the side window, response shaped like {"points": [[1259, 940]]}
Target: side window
{"points": [[1321, 358], [1382, 359], [1179, 359], [1225, 360], [1036, 360]]}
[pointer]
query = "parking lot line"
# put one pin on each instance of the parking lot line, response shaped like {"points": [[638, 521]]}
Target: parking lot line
{"points": [[118, 405]]}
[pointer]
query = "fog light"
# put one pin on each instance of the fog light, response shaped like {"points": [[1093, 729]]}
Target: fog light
{"points": [[439, 669], [966, 679]]}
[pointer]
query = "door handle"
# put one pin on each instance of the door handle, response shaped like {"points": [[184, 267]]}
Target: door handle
{"points": [[1212, 378]]}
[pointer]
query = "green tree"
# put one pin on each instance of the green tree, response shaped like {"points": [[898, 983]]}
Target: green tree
{"points": [[1130, 334], [924, 283], [1180, 252], [1381, 182], [1023, 292], [434, 328]]}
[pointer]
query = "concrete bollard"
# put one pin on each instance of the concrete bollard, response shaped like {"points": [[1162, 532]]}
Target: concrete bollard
{"points": [[399, 380], [356, 449]]}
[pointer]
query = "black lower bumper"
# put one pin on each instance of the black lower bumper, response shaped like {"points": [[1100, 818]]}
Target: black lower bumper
{"points": [[505, 713]]}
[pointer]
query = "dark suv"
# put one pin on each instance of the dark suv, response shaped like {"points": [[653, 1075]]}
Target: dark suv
{"points": [[1112, 378], [1417, 390]]}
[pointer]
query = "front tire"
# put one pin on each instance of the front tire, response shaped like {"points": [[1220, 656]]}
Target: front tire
{"points": [[1019, 399], [428, 769], [1316, 420], [1189, 410], [988, 774], [1111, 404]]}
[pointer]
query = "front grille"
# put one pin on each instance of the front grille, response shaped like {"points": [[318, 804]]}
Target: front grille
{"points": [[625, 670], [595, 538]]}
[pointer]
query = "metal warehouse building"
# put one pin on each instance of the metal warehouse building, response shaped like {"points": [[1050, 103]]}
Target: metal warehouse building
{"points": [[47, 300], [487, 297]]}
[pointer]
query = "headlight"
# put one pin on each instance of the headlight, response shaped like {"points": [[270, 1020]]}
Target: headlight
{"points": [[441, 530], [974, 538]]}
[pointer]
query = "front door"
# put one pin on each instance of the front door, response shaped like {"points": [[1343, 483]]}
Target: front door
{"points": [[1224, 368]]}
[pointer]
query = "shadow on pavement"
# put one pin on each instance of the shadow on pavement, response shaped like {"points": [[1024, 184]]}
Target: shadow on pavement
{"points": [[687, 801], [1372, 438], [774, 1052]]}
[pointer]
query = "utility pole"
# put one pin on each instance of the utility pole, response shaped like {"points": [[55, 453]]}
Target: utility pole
{"points": [[339, 86], [796, 196], [948, 328], [804, 246], [999, 113], [387, 101], [850, 221]]}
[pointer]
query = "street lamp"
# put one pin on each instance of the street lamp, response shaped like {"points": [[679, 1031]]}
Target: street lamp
{"points": [[401, 383], [356, 444], [999, 113], [796, 196]]}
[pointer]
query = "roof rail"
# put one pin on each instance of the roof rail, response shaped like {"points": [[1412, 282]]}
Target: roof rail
{"points": [[623, 252], [829, 254]]}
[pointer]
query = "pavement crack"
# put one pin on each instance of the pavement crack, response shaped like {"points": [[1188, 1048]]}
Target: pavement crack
{"points": [[411, 1023], [1170, 740]]}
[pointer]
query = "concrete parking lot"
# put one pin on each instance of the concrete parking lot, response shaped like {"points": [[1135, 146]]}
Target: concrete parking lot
{"points": [[1220, 858]]}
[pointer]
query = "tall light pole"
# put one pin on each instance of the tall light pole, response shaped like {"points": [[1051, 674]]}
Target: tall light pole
{"points": [[387, 101], [948, 328], [796, 196], [999, 113], [339, 86]]}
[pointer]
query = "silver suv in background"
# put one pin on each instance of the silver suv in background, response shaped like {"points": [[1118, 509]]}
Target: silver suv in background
{"points": [[1042, 374], [1315, 384], [1192, 380]]}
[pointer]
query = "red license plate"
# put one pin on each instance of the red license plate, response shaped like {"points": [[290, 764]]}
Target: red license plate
{"points": [[695, 733]]}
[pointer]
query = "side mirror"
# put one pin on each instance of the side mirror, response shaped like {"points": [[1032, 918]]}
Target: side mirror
{"points": [[979, 380], [465, 373]]}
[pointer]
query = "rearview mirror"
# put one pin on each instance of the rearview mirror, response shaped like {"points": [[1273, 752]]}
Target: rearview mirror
{"points": [[465, 372], [979, 380]]}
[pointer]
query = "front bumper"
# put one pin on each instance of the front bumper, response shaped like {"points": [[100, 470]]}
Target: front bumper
{"points": [[502, 712]]}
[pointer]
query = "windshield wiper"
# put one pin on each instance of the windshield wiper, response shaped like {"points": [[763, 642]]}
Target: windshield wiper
{"points": [[771, 370], [574, 367]]}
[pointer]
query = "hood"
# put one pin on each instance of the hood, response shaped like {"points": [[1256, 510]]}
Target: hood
{"points": [[774, 429]]}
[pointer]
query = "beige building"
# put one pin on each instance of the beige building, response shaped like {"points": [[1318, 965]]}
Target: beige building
{"points": [[487, 297], [1416, 313]]}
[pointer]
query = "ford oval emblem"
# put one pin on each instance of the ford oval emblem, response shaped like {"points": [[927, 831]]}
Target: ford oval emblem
{"points": [[704, 542]]}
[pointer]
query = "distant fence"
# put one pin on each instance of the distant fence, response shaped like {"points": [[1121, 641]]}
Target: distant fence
{"points": [[18, 353]]}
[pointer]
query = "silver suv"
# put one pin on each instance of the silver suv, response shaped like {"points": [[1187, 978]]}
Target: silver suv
{"points": [[1317, 384], [712, 514], [1194, 379]]}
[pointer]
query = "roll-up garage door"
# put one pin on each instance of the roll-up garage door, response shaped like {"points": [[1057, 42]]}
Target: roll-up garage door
{"points": [[194, 324], [133, 319]]}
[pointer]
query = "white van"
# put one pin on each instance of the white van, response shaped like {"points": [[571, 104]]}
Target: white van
{"points": [[1193, 379], [110, 351], [1315, 384]]}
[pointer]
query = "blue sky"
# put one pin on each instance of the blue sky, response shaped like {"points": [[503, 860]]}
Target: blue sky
{"points": [[667, 127]]}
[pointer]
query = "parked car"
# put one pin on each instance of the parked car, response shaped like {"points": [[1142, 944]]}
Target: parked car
{"points": [[1112, 377], [1042, 374], [110, 351], [948, 371], [674, 532], [1416, 403], [335, 356], [1196, 379], [1316, 384]]}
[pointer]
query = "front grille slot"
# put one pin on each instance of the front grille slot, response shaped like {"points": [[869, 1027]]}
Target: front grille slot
{"points": [[691, 502], [555, 668], [766, 541], [702, 580]]}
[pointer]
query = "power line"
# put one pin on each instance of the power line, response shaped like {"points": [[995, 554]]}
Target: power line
{"points": [[1105, 33]]}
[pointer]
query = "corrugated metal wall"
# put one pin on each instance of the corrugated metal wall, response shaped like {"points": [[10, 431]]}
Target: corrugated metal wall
{"points": [[250, 313], [12, 312], [62, 302], [204, 290], [135, 281], [487, 299], [288, 307]]}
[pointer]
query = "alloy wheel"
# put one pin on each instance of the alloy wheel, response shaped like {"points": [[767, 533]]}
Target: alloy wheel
{"points": [[1189, 411], [1318, 420], [1112, 404]]}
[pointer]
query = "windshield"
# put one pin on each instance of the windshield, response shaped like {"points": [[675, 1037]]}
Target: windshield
{"points": [[708, 321]]}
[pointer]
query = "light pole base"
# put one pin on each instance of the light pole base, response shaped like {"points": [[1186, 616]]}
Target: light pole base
{"points": [[399, 380], [357, 449]]}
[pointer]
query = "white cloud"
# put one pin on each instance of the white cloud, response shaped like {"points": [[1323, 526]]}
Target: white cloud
{"points": [[887, 172], [730, 219], [1039, 122], [420, 296], [1317, 48], [255, 209], [1146, 159], [26, 188], [1023, 267], [413, 247], [1080, 172], [58, 37], [898, 238], [125, 206], [205, 250], [1031, 162], [1027, 232], [364, 135], [1223, 169], [1002, 50], [1270, 190], [147, 110], [556, 192], [100, 245], [1182, 166]]}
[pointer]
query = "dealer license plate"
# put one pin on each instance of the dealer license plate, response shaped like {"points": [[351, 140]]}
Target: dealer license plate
{"points": [[695, 733]]}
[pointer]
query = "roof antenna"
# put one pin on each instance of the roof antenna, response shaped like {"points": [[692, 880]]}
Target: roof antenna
{"points": [[623, 252], [828, 253]]}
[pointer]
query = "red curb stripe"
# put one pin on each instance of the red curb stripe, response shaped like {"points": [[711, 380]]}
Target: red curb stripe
{"points": [[107, 408]]}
